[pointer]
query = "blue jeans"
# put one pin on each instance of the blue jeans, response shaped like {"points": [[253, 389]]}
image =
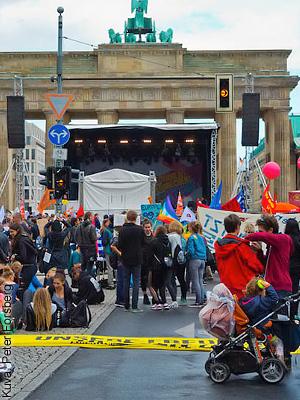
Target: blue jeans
{"points": [[120, 290], [196, 274], [135, 270]]}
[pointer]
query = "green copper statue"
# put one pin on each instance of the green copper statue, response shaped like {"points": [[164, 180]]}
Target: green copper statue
{"points": [[140, 25]]}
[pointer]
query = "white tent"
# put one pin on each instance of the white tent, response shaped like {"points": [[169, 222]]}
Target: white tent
{"points": [[115, 190]]}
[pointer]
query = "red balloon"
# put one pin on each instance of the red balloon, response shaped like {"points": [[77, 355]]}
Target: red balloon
{"points": [[271, 170], [298, 162]]}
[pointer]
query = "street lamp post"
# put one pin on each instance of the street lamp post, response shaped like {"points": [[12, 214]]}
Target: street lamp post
{"points": [[59, 68]]}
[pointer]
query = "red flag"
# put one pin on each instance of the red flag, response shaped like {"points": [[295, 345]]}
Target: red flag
{"points": [[275, 197], [267, 202], [22, 209], [232, 205], [80, 212], [199, 204]]}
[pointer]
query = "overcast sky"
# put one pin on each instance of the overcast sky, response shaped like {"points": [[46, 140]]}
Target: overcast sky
{"points": [[28, 25]]}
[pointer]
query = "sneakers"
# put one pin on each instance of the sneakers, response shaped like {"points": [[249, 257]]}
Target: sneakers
{"points": [[127, 309], [157, 307], [166, 306], [174, 305], [146, 300], [195, 305], [117, 304], [182, 302], [137, 310]]}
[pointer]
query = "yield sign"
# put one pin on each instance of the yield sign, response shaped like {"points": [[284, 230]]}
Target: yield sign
{"points": [[59, 103]]}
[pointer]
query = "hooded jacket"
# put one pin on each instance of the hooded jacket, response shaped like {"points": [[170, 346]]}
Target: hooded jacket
{"points": [[237, 263], [196, 247], [25, 250], [277, 260], [256, 307]]}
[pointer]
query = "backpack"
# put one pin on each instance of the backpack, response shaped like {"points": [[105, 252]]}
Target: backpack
{"points": [[167, 260], [179, 255], [80, 315], [98, 289]]}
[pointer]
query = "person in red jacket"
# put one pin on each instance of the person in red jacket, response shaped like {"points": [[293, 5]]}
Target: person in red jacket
{"points": [[277, 259], [237, 262]]}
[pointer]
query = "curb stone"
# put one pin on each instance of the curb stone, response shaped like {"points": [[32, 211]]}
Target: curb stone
{"points": [[37, 368]]}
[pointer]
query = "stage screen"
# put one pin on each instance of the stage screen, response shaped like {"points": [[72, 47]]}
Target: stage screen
{"points": [[180, 155]]}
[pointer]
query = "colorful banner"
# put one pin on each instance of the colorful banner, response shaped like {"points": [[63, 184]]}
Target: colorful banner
{"points": [[213, 226], [106, 342], [150, 211]]}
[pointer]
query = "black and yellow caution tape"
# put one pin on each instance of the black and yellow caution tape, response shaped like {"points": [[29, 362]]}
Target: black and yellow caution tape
{"points": [[107, 342]]}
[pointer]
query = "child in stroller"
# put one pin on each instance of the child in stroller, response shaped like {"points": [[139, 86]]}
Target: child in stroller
{"points": [[243, 348]]}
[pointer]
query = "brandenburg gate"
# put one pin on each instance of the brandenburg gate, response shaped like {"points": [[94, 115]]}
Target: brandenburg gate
{"points": [[156, 81]]}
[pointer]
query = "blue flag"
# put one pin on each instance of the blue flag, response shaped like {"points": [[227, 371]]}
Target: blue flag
{"points": [[216, 201], [241, 200]]}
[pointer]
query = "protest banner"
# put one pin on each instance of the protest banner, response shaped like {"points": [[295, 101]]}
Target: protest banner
{"points": [[213, 222], [150, 211]]}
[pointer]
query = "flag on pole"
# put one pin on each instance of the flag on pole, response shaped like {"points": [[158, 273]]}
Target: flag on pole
{"points": [[167, 213], [179, 208], [22, 209], [216, 201], [80, 212], [2, 214], [188, 216], [45, 201], [267, 203]]}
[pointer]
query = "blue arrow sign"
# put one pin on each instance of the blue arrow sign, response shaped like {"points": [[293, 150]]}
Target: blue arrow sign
{"points": [[58, 135]]}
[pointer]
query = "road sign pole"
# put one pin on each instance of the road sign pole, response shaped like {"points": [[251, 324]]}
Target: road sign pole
{"points": [[59, 163]]}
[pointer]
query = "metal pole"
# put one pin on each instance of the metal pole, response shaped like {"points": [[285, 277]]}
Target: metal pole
{"points": [[59, 67]]}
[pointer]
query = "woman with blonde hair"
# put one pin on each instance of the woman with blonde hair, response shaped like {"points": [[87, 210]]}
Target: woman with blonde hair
{"points": [[196, 255], [39, 312], [178, 245]]}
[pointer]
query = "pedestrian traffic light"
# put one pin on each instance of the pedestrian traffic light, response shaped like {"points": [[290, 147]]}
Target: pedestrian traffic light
{"points": [[224, 93], [62, 181], [48, 174]]}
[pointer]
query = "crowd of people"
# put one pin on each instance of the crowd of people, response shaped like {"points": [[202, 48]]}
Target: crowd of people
{"points": [[137, 256]]}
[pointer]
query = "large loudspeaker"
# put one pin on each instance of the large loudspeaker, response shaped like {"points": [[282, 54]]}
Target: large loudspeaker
{"points": [[15, 122], [250, 129]]}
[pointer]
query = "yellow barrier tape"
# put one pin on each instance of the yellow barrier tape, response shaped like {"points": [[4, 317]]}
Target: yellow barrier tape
{"points": [[107, 342]]}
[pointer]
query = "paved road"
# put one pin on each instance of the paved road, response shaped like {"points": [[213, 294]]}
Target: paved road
{"points": [[152, 374]]}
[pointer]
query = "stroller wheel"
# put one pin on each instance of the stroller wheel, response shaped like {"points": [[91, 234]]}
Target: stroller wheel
{"points": [[208, 365], [271, 370], [219, 372]]}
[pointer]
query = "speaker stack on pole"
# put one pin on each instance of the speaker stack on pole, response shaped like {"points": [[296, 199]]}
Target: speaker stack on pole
{"points": [[250, 127], [15, 122]]}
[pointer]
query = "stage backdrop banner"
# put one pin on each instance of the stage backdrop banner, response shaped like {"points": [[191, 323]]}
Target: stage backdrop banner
{"points": [[213, 226], [150, 211]]}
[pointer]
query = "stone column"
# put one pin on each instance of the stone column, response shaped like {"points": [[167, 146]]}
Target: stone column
{"points": [[226, 153], [282, 152], [174, 116], [269, 141], [107, 117]]}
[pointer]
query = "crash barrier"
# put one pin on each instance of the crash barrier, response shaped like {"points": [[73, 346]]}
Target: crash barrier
{"points": [[108, 342]]}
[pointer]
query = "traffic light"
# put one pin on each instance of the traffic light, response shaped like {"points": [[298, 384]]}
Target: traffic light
{"points": [[48, 174], [62, 181], [224, 93]]}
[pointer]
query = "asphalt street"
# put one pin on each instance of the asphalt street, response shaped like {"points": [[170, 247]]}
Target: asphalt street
{"points": [[115, 374]]}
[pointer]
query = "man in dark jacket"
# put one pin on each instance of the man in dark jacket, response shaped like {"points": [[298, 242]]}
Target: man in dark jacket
{"points": [[85, 237], [130, 243], [89, 289]]}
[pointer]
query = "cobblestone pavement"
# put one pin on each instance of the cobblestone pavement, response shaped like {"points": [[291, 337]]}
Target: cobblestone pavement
{"points": [[33, 365]]}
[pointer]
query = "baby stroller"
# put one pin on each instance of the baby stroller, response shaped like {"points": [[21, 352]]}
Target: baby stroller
{"points": [[245, 348]]}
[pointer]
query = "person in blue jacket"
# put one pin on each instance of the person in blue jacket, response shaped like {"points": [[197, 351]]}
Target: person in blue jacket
{"points": [[196, 255], [258, 301]]}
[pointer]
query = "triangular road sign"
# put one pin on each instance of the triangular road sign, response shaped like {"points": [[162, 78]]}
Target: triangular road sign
{"points": [[59, 102]]}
